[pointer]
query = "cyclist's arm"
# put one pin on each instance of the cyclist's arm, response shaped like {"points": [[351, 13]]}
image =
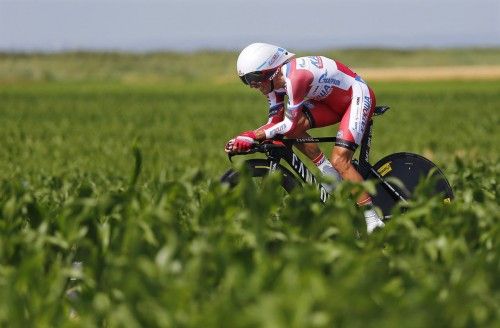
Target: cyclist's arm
{"points": [[276, 100], [298, 83], [276, 115], [284, 126]]}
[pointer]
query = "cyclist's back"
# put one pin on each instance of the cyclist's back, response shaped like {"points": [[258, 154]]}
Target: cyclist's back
{"points": [[326, 89], [319, 78]]}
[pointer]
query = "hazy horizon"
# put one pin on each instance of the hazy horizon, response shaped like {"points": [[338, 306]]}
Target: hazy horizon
{"points": [[190, 25]]}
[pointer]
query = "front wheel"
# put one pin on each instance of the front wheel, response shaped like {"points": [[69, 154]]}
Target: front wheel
{"points": [[409, 169], [259, 168]]}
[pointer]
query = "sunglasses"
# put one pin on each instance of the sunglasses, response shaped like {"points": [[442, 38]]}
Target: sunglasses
{"points": [[257, 77]]}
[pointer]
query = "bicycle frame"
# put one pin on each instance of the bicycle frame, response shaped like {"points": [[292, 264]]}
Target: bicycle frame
{"points": [[275, 154], [282, 149]]}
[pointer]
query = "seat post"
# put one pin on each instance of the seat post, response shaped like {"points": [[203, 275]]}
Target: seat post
{"points": [[364, 152]]}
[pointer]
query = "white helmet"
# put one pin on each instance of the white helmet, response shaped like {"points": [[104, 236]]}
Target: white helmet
{"points": [[259, 61]]}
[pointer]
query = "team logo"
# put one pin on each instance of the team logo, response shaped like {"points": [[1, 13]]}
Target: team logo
{"points": [[367, 103], [328, 80], [271, 60], [316, 61], [275, 56]]}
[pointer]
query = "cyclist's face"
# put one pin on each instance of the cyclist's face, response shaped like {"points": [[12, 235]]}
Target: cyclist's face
{"points": [[279, 80], [266, 87]]}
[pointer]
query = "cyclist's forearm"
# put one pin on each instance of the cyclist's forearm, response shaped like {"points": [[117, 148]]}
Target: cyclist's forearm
{"points": [[275, 117], [282, 127], [270, 130]]}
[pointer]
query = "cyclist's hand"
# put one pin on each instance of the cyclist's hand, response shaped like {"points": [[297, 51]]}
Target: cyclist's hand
{"points": [[243, 142], [228, 148]]}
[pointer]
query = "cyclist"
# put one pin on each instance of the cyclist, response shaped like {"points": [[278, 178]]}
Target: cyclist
{"points": [[321, 92]]}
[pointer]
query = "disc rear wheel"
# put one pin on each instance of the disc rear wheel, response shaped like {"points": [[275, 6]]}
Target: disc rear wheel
{"points": [[409, 169]]}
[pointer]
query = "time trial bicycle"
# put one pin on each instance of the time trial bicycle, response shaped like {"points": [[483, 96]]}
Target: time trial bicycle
{"points": [[407, 168]]}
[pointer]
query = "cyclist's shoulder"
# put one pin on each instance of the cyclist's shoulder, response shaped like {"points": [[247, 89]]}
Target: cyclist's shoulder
{"points": [[320, 65], [298, 69], [314, 64]]}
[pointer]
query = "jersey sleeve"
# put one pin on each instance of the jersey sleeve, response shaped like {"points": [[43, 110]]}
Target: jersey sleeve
{"points": [[276, 100], [298, 83], [279, 122]]}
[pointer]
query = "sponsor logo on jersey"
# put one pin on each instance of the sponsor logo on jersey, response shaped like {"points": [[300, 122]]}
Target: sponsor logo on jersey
{"points": [[328, 80], [277, 130], [326, 91], [367, 104], [316, 61]]}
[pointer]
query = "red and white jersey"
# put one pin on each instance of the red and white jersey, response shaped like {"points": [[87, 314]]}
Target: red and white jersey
{"points": [[318, 78], [323, 81]]}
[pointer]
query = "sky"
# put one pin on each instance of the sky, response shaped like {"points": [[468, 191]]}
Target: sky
{"points": [[187, 25]]}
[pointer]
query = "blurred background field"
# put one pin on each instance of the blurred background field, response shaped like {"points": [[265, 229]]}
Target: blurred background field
{"points": [[215, 66], [165, 245]]}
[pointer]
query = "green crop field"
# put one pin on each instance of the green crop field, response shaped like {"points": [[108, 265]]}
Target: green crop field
{"points": [[113, 160]]}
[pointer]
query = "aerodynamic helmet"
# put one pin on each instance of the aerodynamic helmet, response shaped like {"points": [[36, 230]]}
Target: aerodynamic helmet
{"points": [[258, 62]]}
